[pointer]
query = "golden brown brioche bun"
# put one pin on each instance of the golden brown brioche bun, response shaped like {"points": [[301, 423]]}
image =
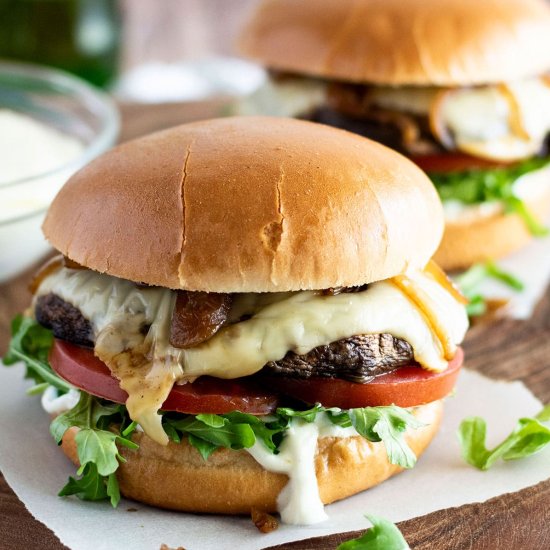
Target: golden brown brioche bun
{"points": [[252, 204], [232, 482], [398, 42], [483, 238]]}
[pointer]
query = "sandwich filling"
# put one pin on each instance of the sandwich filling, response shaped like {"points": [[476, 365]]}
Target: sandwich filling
{"points": [[479, 144], [129, 327]]}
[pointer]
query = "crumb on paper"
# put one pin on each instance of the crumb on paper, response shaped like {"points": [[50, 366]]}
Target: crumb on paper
{"points": [[265, 522], [166, 547]]}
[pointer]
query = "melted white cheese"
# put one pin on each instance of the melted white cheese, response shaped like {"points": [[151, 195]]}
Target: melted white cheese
{"points": [[416, 100], [117, 310], [288, 97], [148, 366], [498, 122]]}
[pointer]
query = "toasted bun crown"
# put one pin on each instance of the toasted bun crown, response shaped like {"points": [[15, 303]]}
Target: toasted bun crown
{"points": [[248, 205], [421, 42]]}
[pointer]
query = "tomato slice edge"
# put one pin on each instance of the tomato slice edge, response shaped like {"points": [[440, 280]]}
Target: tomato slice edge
{"points": [[81, 368], [407, 386], [404, 387], [452, 162]]}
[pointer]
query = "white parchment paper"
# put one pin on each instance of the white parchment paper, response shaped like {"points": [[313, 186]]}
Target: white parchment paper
{"points": [[36, 470]]}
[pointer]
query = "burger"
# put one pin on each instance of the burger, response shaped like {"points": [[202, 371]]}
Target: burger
{"points": [[244, 316], [461, 87]]}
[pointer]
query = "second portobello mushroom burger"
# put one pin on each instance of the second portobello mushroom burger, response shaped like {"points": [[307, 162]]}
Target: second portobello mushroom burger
{"points": [[249, 311], [461, 87]]}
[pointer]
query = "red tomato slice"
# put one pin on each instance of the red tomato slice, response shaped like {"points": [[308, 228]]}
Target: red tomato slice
{"points": [[404, 387], [455, 162], [80, 367]]}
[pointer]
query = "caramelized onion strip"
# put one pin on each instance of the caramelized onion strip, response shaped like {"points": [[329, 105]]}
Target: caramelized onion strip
{"points": [[197, 316], [51, 266]]}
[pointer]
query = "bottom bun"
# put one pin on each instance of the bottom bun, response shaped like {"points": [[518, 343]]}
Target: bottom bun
{"points": [[481, 238], [232, 482]]}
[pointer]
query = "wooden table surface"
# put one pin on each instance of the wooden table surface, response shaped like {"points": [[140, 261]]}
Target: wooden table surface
{"points": [[506, 349]]}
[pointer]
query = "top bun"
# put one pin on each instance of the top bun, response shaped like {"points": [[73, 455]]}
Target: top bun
{"points": [[252, 204], [400, 42]]}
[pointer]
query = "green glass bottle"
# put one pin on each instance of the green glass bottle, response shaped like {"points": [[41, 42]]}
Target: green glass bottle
{"points": [[79, 36]]}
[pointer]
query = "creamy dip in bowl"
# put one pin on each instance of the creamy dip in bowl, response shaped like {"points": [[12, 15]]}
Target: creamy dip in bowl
{"points": [[51, 124]]}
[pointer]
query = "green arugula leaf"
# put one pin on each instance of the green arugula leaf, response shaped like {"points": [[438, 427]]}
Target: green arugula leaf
{"points": [[204, 447], [38, 389], [212, 420], [499, 274], [387, 424], [544, 415], [129, 430], [221, 432], [470, 281], [516, 205], [31, 343], [528, 437], [476, 305], [93, 486], [96, 447], [383, 535], [307, 416], [339, 417], [237, 430], [496, 184], [113, 490], [269, 433], [171, 432]]}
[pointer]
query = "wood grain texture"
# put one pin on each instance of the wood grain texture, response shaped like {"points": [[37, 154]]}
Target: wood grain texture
{"points": [[506, 349]]}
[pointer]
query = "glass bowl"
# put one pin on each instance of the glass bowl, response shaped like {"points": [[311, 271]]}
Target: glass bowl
{"points": [[70, 106]]}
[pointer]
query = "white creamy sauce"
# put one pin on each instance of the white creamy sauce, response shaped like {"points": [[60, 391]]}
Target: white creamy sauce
{"points": [[30, 148], [299, 502], [148, 366], [55, 404]]}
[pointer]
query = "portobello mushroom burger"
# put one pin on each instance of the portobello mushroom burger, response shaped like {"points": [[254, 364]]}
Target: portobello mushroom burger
{"points": [[244, 316]]}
